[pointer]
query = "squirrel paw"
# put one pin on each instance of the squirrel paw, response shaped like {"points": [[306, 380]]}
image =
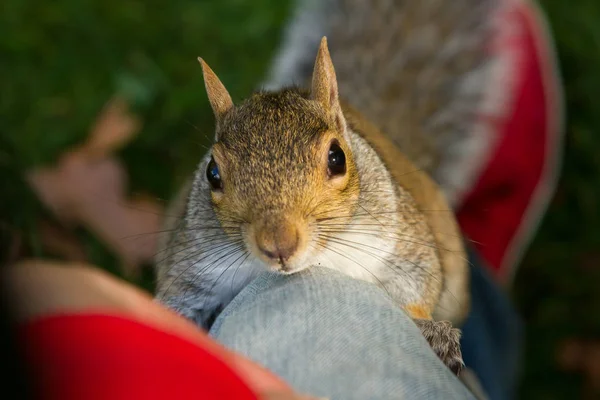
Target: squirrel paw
{"points": [[445, 342]]}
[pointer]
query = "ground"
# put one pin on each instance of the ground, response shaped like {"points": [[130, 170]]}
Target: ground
{"points": [[62, 60]]}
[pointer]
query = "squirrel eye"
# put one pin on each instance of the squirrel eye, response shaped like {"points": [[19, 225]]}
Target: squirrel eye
{"points": [[336, 161], [213, 175]]}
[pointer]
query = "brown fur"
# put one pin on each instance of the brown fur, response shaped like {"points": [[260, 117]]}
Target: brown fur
{"points": [[454, 303], [418, 70], [373, 220], [293, 169]]}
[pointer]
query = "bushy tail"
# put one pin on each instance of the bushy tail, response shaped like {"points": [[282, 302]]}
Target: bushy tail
{"points": [[418, 69]]}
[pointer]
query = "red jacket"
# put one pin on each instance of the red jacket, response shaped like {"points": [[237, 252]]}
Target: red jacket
{"points": [[107, 357]]}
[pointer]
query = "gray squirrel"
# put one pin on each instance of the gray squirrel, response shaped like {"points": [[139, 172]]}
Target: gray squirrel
{"points": [[340, 162]]}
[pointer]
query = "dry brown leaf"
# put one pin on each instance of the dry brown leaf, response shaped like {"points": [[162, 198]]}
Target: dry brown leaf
{"points": [[114, 128], [88, 187], [582, 356]]}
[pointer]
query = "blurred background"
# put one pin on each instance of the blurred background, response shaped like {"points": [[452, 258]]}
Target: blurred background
{"points": [[110, 91]]}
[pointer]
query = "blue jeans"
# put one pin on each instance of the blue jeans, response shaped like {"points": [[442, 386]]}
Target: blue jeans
{"points": [[492, 340], [332, 336]]}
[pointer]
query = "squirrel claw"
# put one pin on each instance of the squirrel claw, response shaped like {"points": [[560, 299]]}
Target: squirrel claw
{"points": [[445, 342]]}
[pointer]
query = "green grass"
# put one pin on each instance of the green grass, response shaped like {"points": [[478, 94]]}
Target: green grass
{"points": [[61, 61], [557, 286]]}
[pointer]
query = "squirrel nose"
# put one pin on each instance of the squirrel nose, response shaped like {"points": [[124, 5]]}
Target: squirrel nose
{"points": [[278, 241]]}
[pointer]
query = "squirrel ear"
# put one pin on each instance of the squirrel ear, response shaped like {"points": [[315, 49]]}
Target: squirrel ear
{"points": [[219, 98], [324, 84]]}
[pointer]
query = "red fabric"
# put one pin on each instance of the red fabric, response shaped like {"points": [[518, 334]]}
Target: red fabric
{"points": [[105, 357], [497, 205]]}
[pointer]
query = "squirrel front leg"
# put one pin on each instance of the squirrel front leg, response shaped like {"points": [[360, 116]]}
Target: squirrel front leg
{"points": [[443, 338]]}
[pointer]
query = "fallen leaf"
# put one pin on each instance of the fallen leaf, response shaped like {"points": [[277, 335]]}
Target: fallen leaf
{"points": [[114, 128], [582, 356], [89, 187]]}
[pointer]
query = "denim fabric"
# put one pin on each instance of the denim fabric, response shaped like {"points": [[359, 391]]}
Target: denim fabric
{"points": [[333, 336], [492, 339]]}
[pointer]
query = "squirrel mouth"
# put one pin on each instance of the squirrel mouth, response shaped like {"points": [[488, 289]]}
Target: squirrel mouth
{"points": [[281, 266], [284, 267]]}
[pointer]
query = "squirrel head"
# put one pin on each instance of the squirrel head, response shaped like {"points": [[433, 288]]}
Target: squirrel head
{"points": [[280, 164]]}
